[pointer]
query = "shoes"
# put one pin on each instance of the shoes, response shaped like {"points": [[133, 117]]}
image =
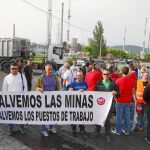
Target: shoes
{"points": [[44, 133], [135, 129], [147, 141], [95, 135], [82, 131], [141, 129], [22, 130], [108, 139], [114, 131], [10, 131], [53, 130], [126, 133]]}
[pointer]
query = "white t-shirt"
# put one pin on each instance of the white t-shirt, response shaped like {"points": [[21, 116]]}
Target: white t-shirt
{"points": [[74, 70], [61, 71], [68, 76], [13, 83]]}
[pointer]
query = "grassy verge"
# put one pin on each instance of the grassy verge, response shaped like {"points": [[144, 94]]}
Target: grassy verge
{"points": [[39, 58]]}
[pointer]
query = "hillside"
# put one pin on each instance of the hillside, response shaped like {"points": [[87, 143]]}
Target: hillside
{"points": [[130, 48]]}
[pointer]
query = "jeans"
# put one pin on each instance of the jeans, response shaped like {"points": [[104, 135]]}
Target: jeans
{"points": [[148, 122], [139, 118], [74, 127], [45, 127], [107, 125], [122, 110]]}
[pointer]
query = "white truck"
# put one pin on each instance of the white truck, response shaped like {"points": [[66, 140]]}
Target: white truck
{"points": [[10, 49], [56, 55], [19, 48]]}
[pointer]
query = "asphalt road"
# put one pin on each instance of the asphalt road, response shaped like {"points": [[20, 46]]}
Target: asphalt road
{"points": [[64, 140]]}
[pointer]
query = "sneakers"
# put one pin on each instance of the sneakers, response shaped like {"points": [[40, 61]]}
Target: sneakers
{"points": [[126, 133], [108, 139], [53, 130], [44, 133], [22, 130], [114, 131], [135, 129], [10, 131], [141, 129], [147, 141], [82, 132]]}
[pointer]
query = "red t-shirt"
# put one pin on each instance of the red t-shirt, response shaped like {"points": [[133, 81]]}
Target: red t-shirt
{"points": [[91, 79], [134, 77], [114, 77], [125, 84]]}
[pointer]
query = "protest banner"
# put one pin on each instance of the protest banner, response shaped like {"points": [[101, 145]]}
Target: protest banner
{"points": [[57, 107]]}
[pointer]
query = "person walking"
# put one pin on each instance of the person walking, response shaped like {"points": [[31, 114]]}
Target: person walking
{"points": [[92, 77], [47, 82], [107, 85], [126, 88], [14, 82], [78, 85], [67, 77], [28, 73], [139, 102], [74, 68], [146, 97]]}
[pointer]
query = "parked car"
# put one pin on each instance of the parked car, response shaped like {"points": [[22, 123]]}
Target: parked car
{"points": [[120, 61]]}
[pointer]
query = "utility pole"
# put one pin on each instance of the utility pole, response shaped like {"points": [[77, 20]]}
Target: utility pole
{"points": [[14, 31], [62, 20], [49, 22], [124, 39], [145, 30], [68, 28], [100, 45], [58, 34], [148, 48]]}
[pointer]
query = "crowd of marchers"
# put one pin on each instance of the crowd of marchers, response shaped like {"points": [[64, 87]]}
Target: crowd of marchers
{"points": [[129, 86]]}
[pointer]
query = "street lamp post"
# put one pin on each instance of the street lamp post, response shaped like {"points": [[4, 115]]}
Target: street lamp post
{"points": [[100, 47]]}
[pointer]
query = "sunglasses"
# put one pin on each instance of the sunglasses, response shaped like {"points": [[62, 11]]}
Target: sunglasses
{"points": [[13, 68], [106, 74]]}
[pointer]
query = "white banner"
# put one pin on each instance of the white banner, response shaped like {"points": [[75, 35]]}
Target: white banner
{"points": [[57, 107]]}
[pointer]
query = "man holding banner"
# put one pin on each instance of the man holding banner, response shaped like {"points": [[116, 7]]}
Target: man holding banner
{"points": [[78, 85], [47, 82], [14, 82], [106, 84]]}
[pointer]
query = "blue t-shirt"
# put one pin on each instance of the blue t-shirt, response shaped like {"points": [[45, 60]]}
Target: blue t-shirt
{"points": [[49, 83], [78, 85]]}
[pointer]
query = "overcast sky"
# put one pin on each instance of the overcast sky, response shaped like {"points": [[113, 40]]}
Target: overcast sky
{"points": [[115, 15]]}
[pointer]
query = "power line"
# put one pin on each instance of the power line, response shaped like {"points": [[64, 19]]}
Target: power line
{"points": [[75, 26]]}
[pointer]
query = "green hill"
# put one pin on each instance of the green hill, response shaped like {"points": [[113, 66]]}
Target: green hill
{"points": [[130, 48]]}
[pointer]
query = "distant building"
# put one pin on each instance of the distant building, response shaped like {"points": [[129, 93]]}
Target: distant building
{"points": [[74, 44], [39, 48], [88, 42]]}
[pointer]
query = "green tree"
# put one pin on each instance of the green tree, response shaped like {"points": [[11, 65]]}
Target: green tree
{"points": [[118, 53], [99, 41], [147, 56]]}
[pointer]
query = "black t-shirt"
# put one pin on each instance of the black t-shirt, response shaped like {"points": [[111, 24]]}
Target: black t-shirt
{"points": [[145, 84]]}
